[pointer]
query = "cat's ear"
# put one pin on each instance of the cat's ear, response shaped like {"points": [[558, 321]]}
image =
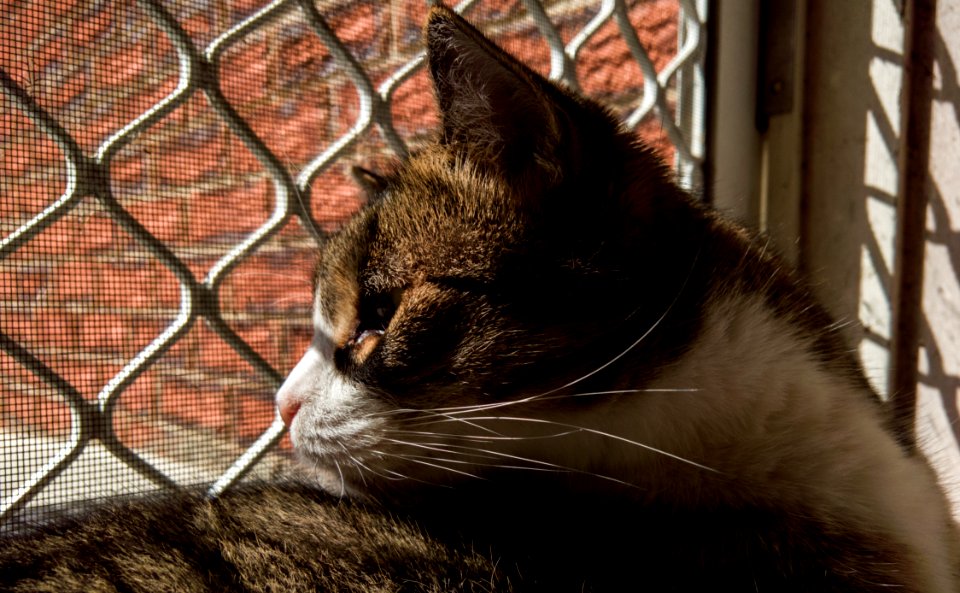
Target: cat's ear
{"points": [[373, 185], [493, 108]]}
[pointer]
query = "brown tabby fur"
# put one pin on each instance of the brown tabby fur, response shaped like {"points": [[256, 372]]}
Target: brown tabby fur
{"points": [[563, 374]]}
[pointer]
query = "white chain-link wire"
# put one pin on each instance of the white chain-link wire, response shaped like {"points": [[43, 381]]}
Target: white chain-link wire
{"points": [[88, 176]]}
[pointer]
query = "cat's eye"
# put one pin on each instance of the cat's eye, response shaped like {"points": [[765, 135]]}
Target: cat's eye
{"points": [[375, 313]]}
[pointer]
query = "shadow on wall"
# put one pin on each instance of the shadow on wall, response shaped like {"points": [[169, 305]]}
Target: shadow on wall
{"points": [[940, 359], [853, 77]]}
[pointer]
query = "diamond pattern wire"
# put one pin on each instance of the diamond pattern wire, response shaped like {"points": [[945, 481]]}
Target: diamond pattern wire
{"points": [[88, 176]]}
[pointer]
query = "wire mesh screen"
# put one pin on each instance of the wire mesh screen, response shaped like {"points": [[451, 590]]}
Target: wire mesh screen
{"points": [[166, 172]]}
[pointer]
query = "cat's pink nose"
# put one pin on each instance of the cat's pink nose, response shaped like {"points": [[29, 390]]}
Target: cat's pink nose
{"points": [[288, 408]]}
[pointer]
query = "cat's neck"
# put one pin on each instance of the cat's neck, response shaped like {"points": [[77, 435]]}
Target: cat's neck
{"points": [[750, 401]]}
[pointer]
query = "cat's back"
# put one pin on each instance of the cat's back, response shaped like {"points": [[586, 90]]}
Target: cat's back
{"points": [[260, 537]]}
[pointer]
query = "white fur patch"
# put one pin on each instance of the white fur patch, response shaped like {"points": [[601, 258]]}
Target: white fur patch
{"points": [[333, 416]]}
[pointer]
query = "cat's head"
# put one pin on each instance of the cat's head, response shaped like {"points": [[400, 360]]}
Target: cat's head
{"points": [[492, 274]]}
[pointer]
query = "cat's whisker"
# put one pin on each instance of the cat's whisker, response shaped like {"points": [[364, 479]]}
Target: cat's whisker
{"points": [[437, 417], [546, 466], [361, 466], [604, 434], [610, 392], [453, 410], [418, 459], [488, 465], [485, 438], [343, 481], [426, 446], [396, 476], [411, 478]]}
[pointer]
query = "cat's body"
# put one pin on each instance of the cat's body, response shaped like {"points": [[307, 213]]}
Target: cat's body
{"points": [[283, 537], [533, 341]]}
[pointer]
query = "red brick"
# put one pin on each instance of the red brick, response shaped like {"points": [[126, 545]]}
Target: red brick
{"points": [[243, 72], [238, 161], [38, 411], [260, 336], [245, 6], [105, 333], [230, 213], [361, 26], [293, 342], [605, 67], [53, 48], [269, 283], [16, 322], [13, 123], [652, 132], [493, 10], [142, 396], [95, 234], [33, 152], [254, 415], [198, 26], [87, 376], [414, 109], [29, 22], [40, 327], [77, 281], [137, 431], [194, 158], [301, 53], [127, 168], [344, 108], [409, 17], [70, 85], [199, 265], [120, 67], [216, 355], [530, 46], [218, 218], [89, 30], [143, 285], [182, 354], [335, 198], [20, 281], [30, 199], [56, 240], [15, 161], [195, 405], [194, 109], [145, 330], [298, 138], [656, 22], [165, 218]]}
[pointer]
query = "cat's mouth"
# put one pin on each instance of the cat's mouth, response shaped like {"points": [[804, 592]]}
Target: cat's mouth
{"points": [[328, 436]]}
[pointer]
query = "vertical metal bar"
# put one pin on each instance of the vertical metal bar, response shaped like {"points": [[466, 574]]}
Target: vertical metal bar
{"points": [[917, 97]]}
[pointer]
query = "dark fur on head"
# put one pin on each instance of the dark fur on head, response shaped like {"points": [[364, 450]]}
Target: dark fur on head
{"points": [[530, 191]]}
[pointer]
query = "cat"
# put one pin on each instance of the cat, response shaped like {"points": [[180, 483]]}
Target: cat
{"points": [[539, 365]]}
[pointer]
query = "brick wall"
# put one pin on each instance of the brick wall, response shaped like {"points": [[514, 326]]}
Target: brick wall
{"points": [[85, 297]]}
